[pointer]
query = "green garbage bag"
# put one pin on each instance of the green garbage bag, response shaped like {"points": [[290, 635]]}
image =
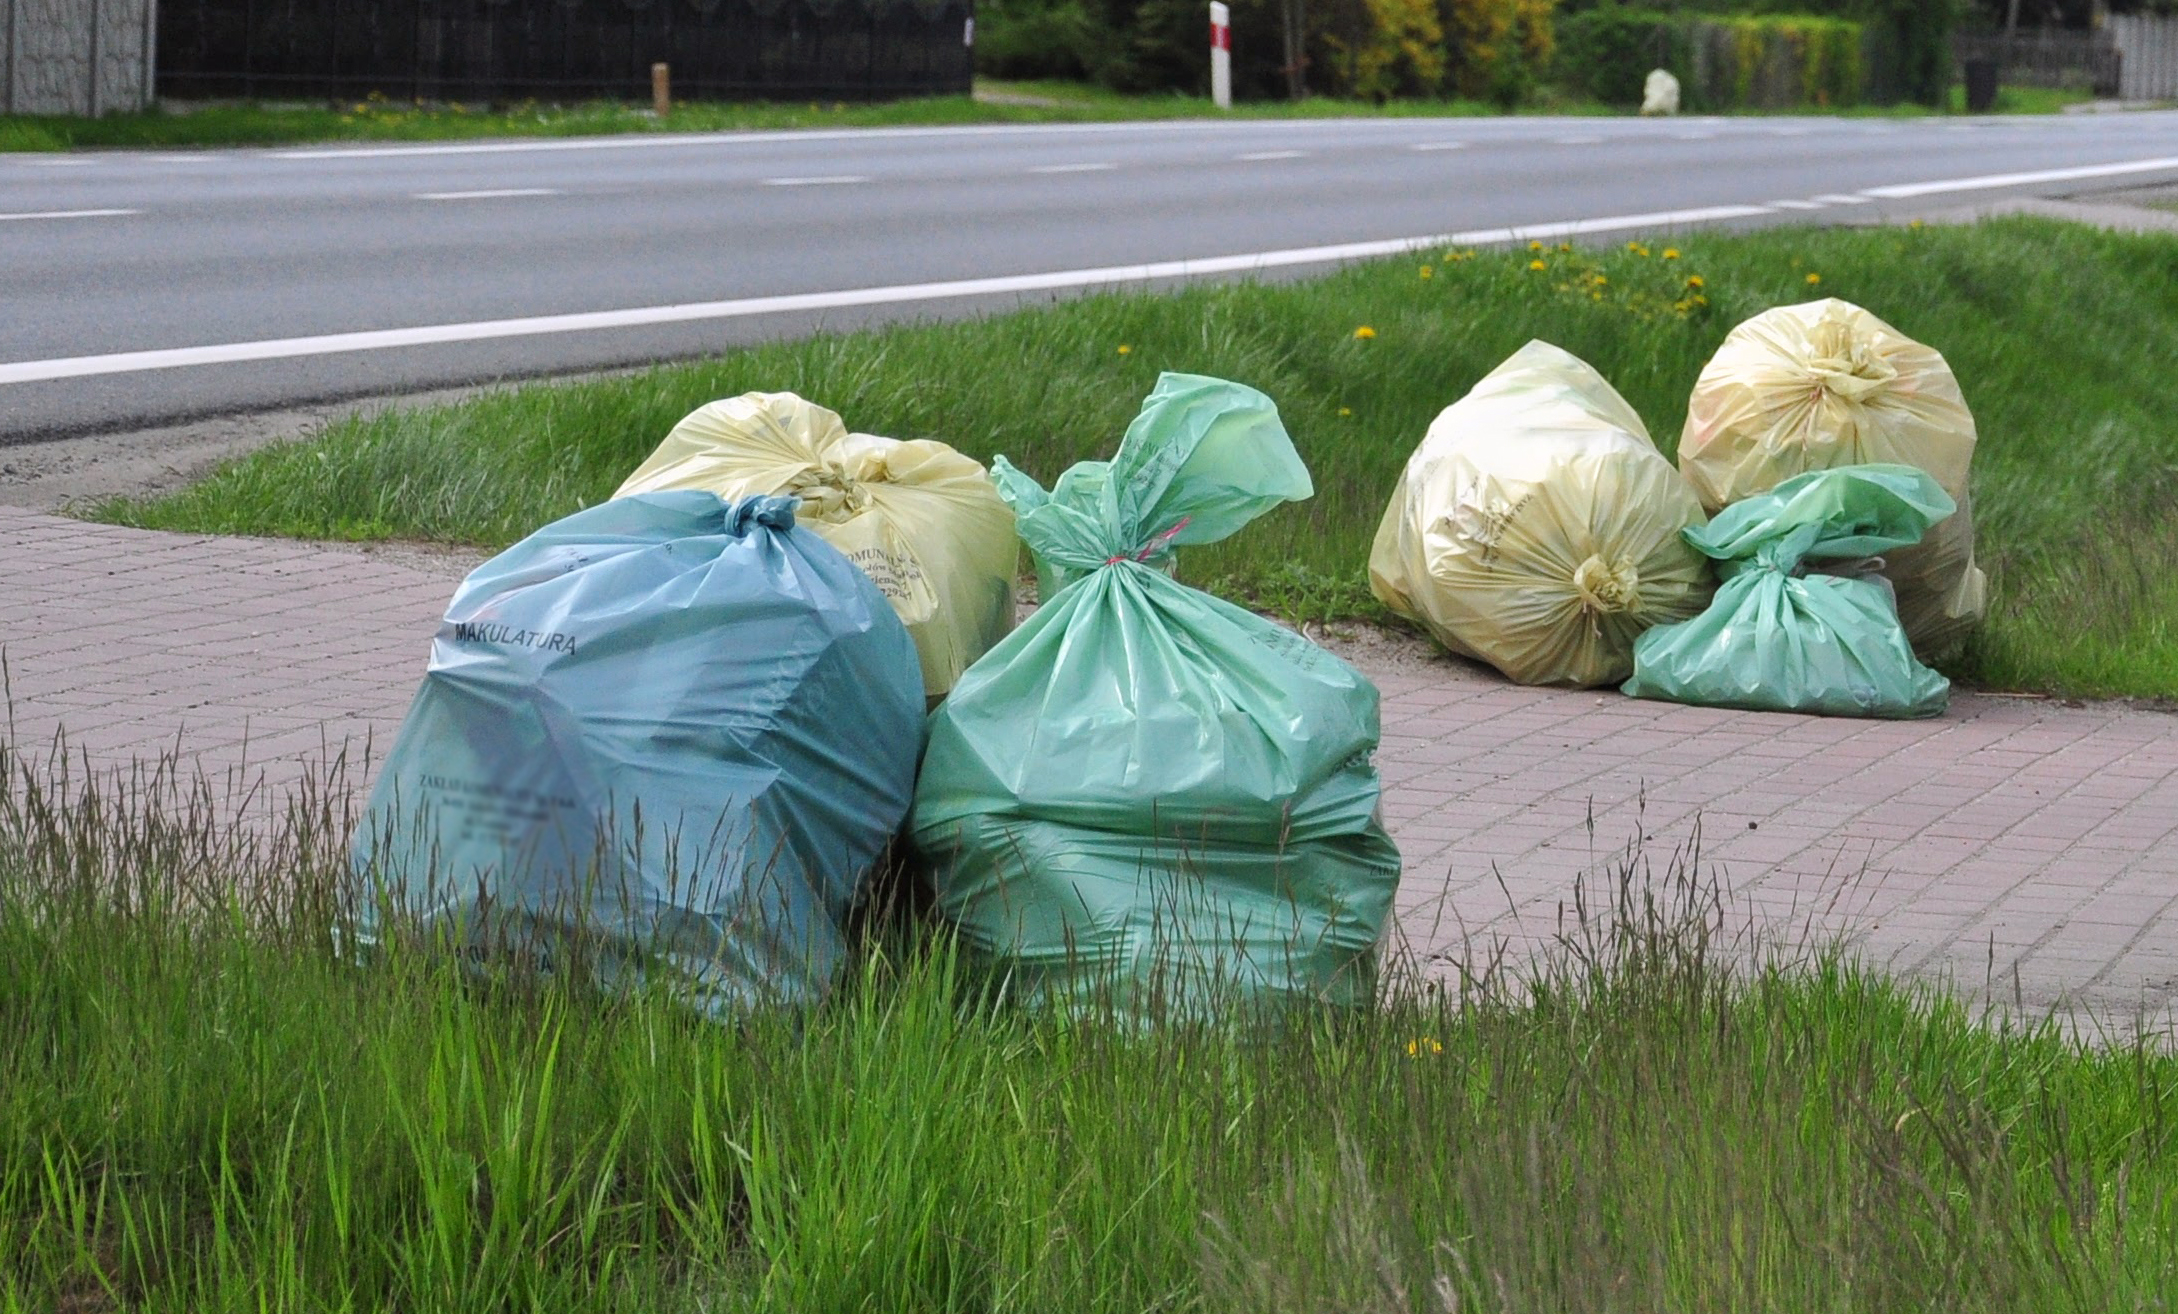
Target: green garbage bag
{"points": [[1146, 790], [1803, 622]]}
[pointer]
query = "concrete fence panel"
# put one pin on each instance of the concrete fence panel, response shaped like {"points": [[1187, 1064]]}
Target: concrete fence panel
{"points": [[76, 56], [2149, 48]]}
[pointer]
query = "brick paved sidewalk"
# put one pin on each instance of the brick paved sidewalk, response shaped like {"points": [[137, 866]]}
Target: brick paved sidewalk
{"points": [[2014, 839]]}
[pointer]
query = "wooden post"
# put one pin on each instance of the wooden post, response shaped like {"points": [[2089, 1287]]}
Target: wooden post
{"points": [[661, 89], [13, 27], [1221, 54], [97, 64]]}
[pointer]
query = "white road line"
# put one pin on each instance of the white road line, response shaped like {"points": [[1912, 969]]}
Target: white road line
{"points": [[492, 194], [1899, 191], [64, 214], [1797, 205], [667, 141], [76, 367], [1073, 168], [820, 180], [1258, 156], [1840, 198], [52, 162], [1438, 146], [1577, 141]]}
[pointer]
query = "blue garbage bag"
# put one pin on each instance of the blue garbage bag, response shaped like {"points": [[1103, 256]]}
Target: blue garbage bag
{"points": [[670, 734]]}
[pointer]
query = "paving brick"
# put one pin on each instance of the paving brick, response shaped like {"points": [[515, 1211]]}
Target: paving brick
{"points": [[2041, 829]]}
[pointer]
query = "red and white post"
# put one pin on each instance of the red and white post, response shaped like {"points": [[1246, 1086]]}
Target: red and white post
{"points": [[1221, 55]]}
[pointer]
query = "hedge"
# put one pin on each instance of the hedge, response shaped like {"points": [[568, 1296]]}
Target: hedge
{"points": [[1373, 49], [1776, 61]]}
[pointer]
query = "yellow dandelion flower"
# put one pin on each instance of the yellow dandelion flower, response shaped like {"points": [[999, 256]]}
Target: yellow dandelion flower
{"points": [[1595, 296], [1537, 264], [1695, 280], [1427, 271], [1124, 349], [1671, 253], [1565, 248], [1424, 1045], [1535, 246], [1916, 224], [1600, 280], [1813, 279], [1365, 333], [1345, 411]]}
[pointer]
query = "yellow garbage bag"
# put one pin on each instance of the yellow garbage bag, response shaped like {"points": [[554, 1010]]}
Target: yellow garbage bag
{"points": [[1537, 527], [1825, 384], [924, 522]]}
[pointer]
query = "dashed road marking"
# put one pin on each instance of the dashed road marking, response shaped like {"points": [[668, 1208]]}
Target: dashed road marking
{"points": [[64, 214], [489, 194]]}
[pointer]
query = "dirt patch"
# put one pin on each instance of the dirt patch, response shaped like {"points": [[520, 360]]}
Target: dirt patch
{"points": [[57, 474]]}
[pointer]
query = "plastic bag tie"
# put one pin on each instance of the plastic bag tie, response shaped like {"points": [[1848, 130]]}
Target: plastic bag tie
{"points": [[769, 512], [1606, 586], [1150, 548]]}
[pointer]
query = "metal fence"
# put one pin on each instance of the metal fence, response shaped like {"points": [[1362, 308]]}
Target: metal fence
{"points": [[2046, 57], [2150, 50], [510, 50]]}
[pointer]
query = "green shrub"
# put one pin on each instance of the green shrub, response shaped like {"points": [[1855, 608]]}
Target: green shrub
{"points": [[1031, 39], [1769, 61], [1377, 49], [1911, 46], [1497, 49], [1128, 45], [1606, 52], [1775, 62], [1905, 51]]}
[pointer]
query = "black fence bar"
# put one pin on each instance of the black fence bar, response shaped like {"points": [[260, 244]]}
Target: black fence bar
{"points": [[512, 50]]}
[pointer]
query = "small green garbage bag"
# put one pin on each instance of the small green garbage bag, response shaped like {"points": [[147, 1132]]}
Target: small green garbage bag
{"points": [[1803, 622], [1147, 791]]}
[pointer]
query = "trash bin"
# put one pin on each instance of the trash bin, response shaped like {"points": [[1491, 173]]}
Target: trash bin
{"points": [[1981, 85]]}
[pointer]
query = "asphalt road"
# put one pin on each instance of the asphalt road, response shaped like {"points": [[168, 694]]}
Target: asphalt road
{"points": [[142, 287]]}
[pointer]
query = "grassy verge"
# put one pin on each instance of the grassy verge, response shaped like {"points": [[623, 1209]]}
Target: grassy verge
{"points": [[379, 119], [2062, 336], [204, 1108], [2025, 100]]}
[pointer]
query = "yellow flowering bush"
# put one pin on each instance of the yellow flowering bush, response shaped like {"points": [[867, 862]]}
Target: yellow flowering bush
{"points": [[1497, 49], [1378, 49]]}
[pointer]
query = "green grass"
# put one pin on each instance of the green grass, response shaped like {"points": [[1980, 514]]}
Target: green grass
{"points": [[379, 119], [203, 1108], [2025, 100], [2062, 336]]}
